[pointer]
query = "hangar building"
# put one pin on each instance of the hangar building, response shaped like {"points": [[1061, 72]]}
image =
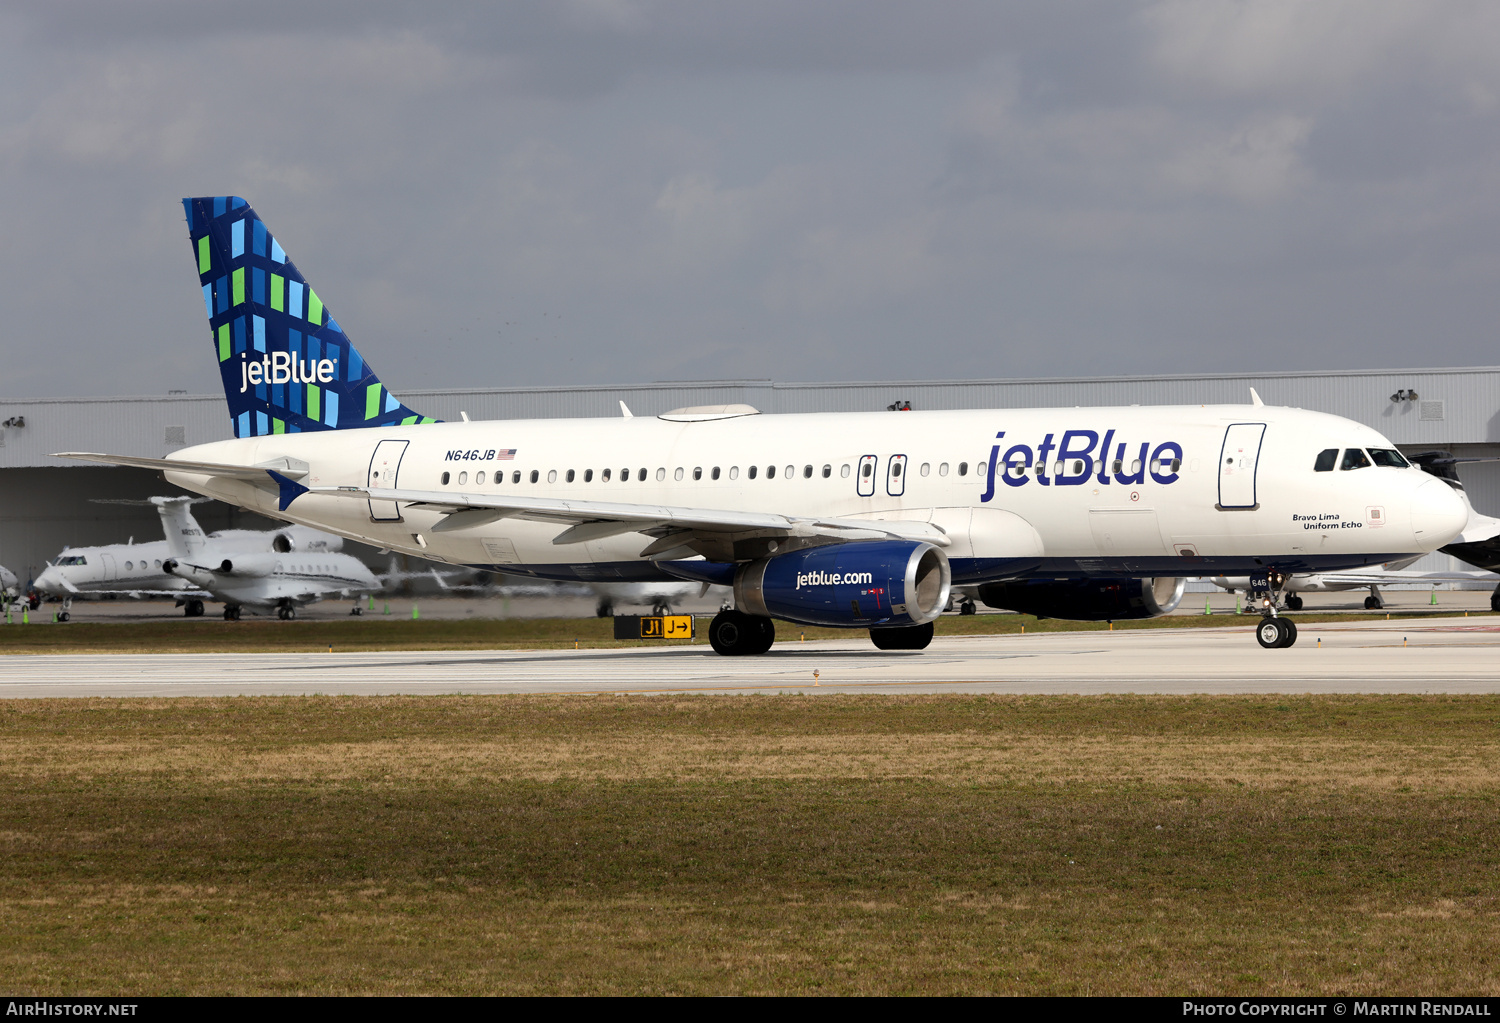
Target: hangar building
{"points": [[51, 503]]}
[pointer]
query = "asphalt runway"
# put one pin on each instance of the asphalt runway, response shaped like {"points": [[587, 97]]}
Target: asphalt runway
{"points": [[1433, 655]]}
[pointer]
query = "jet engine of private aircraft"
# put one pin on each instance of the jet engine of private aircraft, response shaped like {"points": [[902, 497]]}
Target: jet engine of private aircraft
{"points": [[857, 520]]}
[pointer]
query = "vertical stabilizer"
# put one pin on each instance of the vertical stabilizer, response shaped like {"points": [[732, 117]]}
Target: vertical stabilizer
{"points": [[287, 366], [185, 539]]}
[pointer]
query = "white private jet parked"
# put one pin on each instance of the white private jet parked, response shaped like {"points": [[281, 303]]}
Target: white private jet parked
{"points": [[1372, 579], [858, 520], [278, 570]]}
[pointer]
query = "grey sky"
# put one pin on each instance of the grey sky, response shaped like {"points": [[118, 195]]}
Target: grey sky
{"points": [[599, 191]]}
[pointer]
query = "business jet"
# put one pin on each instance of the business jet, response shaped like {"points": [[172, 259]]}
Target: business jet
{"points": [[1394, 574], [279, 570], [661, 596], [854, 520], [1479, 543], [9, 587]]}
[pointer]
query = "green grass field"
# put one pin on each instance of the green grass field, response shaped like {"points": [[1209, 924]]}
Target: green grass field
{"points": [[378, 632], [715, 845]]}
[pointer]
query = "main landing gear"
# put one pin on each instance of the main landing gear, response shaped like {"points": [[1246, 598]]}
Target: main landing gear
{"points": [[1374, 602], [735, 633], [231, 612], [286, 612], [1273, 633], [1293, 602], [193, 609], [1495, 599]]}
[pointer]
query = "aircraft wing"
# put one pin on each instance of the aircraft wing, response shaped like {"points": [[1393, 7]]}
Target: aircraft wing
{"points": [[1357, 579], [137, 594], [677, 529]]}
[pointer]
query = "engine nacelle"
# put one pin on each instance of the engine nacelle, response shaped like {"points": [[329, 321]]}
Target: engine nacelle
{"points": [[1086, 600], [852, 585]]}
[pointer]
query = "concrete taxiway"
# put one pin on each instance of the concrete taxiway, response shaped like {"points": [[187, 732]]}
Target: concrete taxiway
{"points": [[1432, 655]]}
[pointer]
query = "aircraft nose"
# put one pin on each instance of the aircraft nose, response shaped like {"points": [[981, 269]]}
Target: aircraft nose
{"points": [[1437, 514], [47, 581]]}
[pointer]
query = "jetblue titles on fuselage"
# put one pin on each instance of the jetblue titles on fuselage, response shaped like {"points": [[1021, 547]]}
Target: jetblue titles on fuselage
{"points": [[1075, 456]]}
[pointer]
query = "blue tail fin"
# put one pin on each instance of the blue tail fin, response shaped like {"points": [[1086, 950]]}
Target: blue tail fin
{"points": [[286, 364]]}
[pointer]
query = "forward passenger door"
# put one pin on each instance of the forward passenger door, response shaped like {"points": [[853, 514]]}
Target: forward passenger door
{"points": [[1237, 465]]}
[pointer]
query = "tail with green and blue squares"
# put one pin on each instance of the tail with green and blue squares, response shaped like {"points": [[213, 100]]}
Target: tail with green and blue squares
{"points": [[286, 364]]}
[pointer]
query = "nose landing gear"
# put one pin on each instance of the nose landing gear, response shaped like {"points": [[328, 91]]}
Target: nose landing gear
{"points": [[1273, 633]]}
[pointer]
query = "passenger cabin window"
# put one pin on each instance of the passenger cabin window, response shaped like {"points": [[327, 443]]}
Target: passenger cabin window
{"points": [[827, 471], [844, 471], [500, 476], [535, 475], [750, 473], [551, 475], [734, 472], [570, 475], [866, 470], [624, 475], [677, 473], [807, 472], [661, 474], [926, 468], [445, 479], [515, 477], [715, 473], [463, 478], [1327, 458], [789, 472], [1389, 457], [641, 476], [1354, 458], [588, 475], [698, 473], [770, 472], [963, 468], [943, 469], [604, 476]]}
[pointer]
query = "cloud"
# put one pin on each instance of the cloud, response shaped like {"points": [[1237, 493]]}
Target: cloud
{"points": [[607, 191]]}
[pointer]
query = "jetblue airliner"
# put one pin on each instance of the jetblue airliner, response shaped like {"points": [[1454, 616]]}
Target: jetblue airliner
{"points": [[854, 520]]}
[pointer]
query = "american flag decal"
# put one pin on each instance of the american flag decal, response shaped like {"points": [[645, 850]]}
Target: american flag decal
{"points": [[505, 455]]}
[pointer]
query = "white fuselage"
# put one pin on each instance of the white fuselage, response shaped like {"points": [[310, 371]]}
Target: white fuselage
{"points": [[134, 568], [1096, 518]]}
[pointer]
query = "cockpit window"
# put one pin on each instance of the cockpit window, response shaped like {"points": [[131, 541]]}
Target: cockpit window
{"points": [[1389, 457], [73, 559], [1326, 460], [1354, 458]]}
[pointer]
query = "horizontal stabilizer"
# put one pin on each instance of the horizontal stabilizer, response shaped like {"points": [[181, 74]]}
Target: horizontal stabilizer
{"points": [[242, 472]]}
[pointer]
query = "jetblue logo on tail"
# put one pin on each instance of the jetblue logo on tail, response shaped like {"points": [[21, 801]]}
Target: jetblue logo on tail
{"points": [[286, 364], [281, 368]]}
